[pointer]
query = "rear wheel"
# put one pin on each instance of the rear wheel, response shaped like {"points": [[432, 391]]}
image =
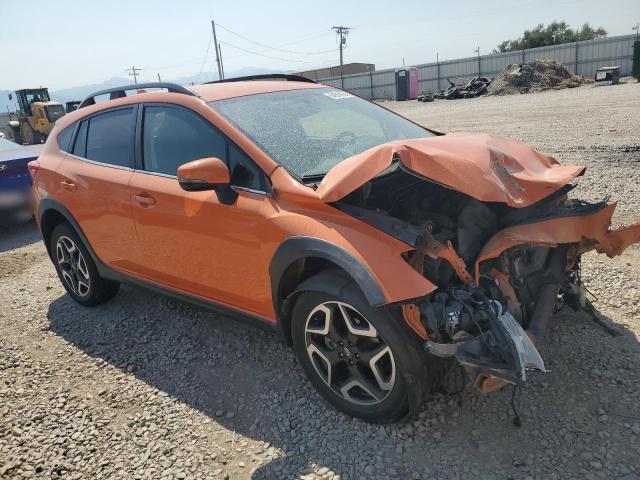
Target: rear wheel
{"points": [[358, 357], [77, 270]]}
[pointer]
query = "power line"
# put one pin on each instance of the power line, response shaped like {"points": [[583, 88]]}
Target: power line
{"points": [[206, 55], [263, 55], [198, 61], [271, 47]]}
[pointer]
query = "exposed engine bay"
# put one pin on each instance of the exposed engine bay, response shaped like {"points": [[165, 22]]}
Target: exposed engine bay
{"points": [[499, 275]]}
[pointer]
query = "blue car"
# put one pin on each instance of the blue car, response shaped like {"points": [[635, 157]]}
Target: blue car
{"points": [[15, 181]]}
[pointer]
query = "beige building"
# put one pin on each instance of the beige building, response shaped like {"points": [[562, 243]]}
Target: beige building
{"points": [[347, 69]]}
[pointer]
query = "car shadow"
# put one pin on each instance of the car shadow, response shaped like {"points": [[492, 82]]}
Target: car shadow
{"points": [[16, 235], [249, 383]]}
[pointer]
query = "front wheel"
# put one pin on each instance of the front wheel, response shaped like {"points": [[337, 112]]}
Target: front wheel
{"points": [[359, 358]]}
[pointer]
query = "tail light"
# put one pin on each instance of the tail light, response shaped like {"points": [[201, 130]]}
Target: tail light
{"points": [[33, 166]]}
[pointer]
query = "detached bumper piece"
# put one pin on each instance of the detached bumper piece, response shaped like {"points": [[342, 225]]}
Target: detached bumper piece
{"points": [[505, 351], [482, 335]]}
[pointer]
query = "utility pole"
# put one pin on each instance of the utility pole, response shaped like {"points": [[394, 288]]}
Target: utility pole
{"points": [[159, 79], [215, 44], [342, 33], [133, 72], [637, 29]]}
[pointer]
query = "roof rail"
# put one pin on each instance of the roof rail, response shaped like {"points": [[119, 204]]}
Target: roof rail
{"points": [[119, 92], [267, 76]]}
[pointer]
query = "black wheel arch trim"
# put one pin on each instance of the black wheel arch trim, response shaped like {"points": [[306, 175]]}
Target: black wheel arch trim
{"points": [[49, 204], [300, 247]]}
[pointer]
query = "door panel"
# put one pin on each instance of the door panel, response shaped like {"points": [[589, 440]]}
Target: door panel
{"points": [[192, 242], [98, 198]]}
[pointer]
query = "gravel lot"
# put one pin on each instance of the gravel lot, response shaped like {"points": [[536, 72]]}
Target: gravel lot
{"points": [[145, 388]]}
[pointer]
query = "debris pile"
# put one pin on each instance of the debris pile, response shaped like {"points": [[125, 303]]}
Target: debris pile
{"points": [[533, 76], [473, 88]]}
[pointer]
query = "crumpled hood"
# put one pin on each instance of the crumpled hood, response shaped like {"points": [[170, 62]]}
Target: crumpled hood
{"points": [[486, 167]]}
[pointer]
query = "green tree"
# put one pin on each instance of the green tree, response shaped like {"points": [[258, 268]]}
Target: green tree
{"points": [[553, 34]]}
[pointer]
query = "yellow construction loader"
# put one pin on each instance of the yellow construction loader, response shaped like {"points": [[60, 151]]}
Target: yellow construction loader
{"points": [[35, 117]]}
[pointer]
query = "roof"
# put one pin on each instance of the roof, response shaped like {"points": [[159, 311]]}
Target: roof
{"points": [[220, 91], [600, 69]]}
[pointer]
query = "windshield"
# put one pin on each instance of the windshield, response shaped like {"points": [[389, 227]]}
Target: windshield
{"points": [[310, 131]]}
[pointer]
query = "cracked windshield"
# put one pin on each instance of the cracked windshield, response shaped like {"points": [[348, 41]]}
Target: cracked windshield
{"points": [[310, 131]]}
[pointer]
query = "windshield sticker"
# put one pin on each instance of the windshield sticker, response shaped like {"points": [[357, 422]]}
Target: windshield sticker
{"points": [[337, 94]]}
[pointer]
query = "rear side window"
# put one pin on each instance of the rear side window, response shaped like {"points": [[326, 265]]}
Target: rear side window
{"points": [[64, 138], [80, 147], [111, 136], [173, 137]]}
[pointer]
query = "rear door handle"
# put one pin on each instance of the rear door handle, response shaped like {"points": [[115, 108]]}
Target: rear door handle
{"points": [[67, 185], [144, 199]]}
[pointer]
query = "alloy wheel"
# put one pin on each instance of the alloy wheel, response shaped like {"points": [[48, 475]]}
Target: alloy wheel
{"points": [[348, 354], [73, 266]]}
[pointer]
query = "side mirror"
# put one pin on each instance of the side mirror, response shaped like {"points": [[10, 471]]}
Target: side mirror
{"points": [[10, 96], [207, 174]]}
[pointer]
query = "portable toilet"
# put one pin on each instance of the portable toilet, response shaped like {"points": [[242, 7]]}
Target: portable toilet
{"points": [[608, 75], [406, 84]]}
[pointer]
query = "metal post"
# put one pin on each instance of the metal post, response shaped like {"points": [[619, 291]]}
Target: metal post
{"points": [[576, 69], [371, 82], [479, 72], [221, 63], [523, 53], [438, 68]]}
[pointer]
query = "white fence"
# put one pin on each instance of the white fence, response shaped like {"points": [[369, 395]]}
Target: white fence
{"points": [[581, 58]]}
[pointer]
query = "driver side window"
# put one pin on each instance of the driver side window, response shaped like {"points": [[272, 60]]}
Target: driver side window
{"points": [[174, 136]]}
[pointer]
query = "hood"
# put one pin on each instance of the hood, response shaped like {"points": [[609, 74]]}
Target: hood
{"points": [[488, 168]]}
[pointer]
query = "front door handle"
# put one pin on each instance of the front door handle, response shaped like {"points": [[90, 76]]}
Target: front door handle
{"points": [[69, 186], [144, 200]]}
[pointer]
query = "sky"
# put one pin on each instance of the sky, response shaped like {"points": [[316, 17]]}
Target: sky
{"points": [[68, 43]]}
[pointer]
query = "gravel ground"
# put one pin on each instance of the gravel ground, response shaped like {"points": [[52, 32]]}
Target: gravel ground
{"points": [[144, 388]]}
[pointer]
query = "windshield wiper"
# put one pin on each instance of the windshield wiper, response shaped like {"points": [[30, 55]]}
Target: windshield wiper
{"points": [[314, 177]]}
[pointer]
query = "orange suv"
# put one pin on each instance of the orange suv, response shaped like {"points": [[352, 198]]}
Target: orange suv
{"points": [[385, 252]]}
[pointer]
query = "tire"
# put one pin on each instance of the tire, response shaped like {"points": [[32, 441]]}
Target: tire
{"points": [[377, 352], [13, 134], [77, 270], [27, 133]]}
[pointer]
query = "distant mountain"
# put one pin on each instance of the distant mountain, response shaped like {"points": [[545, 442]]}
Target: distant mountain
{"points": [[80, 92]]}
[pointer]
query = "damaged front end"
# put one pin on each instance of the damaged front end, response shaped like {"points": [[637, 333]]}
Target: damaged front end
{"points": [[490, 223]]}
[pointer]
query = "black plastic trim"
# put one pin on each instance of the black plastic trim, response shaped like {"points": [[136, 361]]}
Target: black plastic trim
{"points": [[119, 92], [297, 248], [266, 76]]}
